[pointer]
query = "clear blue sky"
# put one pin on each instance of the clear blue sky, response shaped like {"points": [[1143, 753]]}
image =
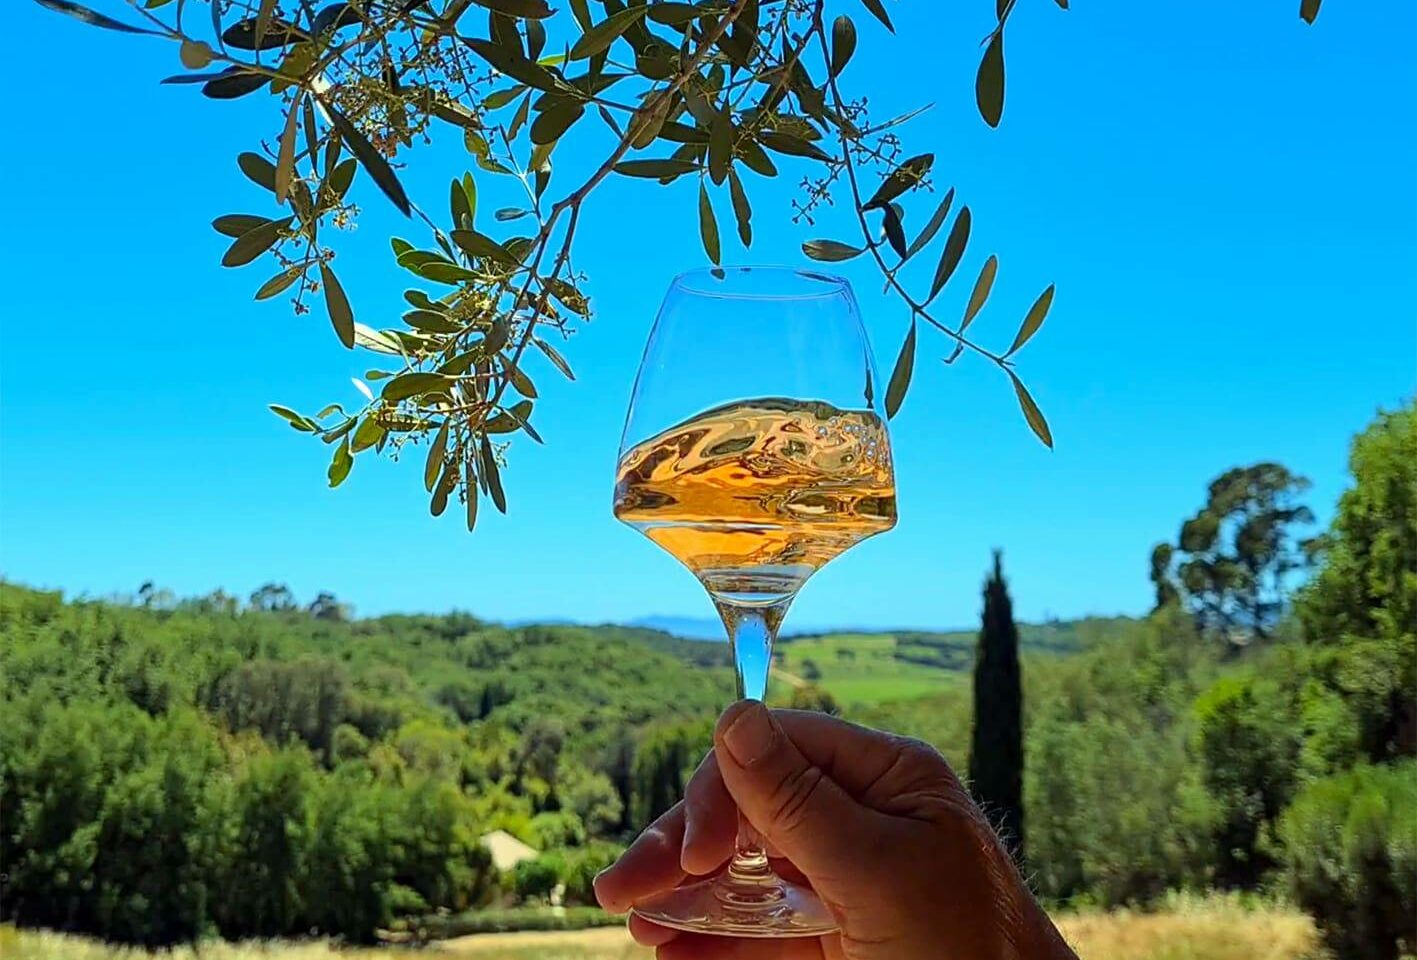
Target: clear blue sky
{"points": [[1224, 197]]}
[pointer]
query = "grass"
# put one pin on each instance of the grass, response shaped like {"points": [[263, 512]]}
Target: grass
{"points": [[1215, 928]]}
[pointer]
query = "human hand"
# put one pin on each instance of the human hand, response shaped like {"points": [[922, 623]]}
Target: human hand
{"points": [[878, 825]]}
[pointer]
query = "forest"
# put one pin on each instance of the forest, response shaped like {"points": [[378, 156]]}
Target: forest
{"points": [[173, 769]]}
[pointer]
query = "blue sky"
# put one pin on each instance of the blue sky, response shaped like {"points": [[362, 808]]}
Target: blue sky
{"points": [[1223, 196]]}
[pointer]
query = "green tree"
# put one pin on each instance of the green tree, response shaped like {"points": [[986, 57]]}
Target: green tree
{"points": [[664, 761], [270, 823], [1248, 744], [1360, 610], [156, 843], [273, 598], [1234, 556], [813, 697], [996, 742], [1350, 847]]}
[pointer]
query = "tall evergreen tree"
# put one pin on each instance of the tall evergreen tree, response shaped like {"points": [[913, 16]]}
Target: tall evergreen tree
{"points": [[996, 747]]}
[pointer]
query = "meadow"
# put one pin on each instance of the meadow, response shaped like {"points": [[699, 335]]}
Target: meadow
{"points": [[1214, 928]]}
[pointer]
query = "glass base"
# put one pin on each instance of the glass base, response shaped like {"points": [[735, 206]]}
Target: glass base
{"points": [[774, 909]]}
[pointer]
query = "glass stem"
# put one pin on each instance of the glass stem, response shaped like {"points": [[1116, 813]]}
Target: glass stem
{"points": [[751, 632]]}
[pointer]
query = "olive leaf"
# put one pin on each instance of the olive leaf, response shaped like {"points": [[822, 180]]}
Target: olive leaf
{"points": [[720, 149], [483, 247], [458, 205], [599, 37], [285, 158], [555, 357], [1033, 320], [980, 293], [437, 450], [446, 482], [367, 434], [678, 14], [471, 507], [263, 20], [655, 169], [337, 305], [954, 250], [513, 64], [236, 224], [498, 99], [989, 82], [742, 211], [279, 283], [301, 423], [831, 251], [792, 145], [370, 159], [341, 463], [93, 18], [879, 12], [900, 376], [843, 43], [895, 233], [1031, 413], [901, 179], [488, 462], [255, 242], [234, 82], [648, 122], [754, 158], [254, 33], [530, 9], [551, 124], [258, 170], [932, 227], [708, 225], [413, 384]]}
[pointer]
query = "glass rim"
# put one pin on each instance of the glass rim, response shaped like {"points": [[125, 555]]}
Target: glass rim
{"points": [[778, 280]]}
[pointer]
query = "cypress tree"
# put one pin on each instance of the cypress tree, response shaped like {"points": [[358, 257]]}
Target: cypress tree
{"points": [[996, 746]]}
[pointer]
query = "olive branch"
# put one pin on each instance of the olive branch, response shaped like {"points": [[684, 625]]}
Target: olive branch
{"points": [[734, 86]]}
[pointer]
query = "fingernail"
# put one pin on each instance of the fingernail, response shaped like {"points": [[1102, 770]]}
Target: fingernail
{"points": [[595, 885], [751, 734]]}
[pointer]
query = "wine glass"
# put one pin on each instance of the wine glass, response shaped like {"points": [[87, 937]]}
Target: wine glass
{"points": [[754, 451]]}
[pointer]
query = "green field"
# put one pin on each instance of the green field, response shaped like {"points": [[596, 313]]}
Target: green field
{"points": [[866, 669], [859, 668]]}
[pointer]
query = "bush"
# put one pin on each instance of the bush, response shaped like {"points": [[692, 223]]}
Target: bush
{"points": [[582, 866], [1350, 852], [513, 920], [535, 879]]}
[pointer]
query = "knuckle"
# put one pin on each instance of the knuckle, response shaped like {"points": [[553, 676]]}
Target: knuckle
{"points": [[795, 796]]}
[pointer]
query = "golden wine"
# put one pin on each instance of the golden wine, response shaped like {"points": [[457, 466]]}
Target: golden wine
{"points": [[755, 496]]}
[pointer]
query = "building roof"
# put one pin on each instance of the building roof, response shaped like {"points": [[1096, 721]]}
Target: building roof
{"points": [[507, 851]]}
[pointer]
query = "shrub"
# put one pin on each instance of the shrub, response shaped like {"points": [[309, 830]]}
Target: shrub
{"points": [[512, 920], [1350, 851], [581, 867], [535, 879]]}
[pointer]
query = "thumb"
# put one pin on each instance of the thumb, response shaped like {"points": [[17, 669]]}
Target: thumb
{"points": [[809, 818]]}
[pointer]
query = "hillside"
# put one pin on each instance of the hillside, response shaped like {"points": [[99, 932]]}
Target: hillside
{"points": [[866, 668]]}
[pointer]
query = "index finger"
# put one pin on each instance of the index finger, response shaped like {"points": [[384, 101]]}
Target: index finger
{"points": [[649, 866]]}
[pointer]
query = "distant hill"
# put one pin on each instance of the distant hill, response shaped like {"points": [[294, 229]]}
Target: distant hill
{"points": [[690, 628]]}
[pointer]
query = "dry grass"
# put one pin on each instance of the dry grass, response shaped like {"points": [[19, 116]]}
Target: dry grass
{"points": [[1211, 929]]}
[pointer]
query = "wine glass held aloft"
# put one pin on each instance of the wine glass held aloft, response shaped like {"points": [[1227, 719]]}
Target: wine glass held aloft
{"points": [[754, 451]]}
